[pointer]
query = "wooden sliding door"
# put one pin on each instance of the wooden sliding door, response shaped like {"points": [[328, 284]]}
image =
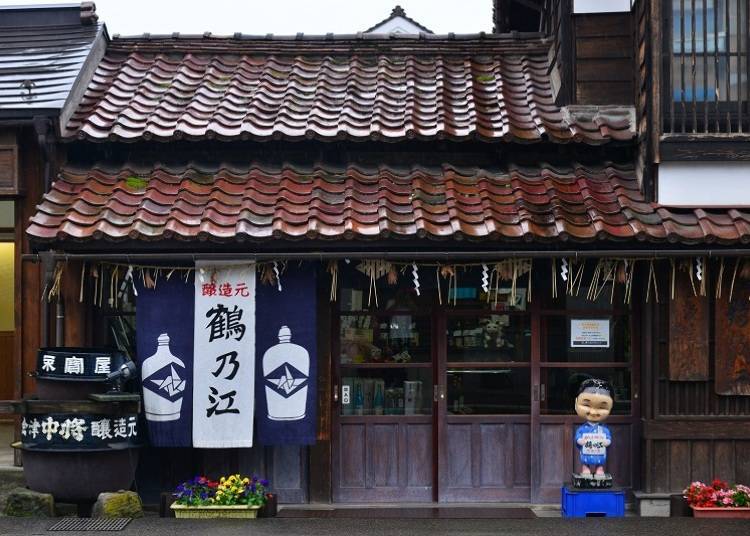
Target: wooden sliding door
{"points": [[484, 406], [471, 399]]}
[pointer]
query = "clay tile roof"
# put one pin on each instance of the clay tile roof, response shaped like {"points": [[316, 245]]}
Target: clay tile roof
{"points": [[357, 87], [261, 202]]}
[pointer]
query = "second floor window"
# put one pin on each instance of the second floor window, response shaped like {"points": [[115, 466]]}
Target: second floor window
{"points": [[709, 66]]}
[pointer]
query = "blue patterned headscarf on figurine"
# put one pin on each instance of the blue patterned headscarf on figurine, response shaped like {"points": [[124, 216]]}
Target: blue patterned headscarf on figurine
{"points": [[593, 403]]}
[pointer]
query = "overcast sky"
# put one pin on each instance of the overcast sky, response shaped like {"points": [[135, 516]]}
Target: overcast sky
{"points": [[222, 17]]}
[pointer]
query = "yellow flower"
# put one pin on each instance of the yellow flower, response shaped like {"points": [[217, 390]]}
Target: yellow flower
{"points": [[245, 480]]}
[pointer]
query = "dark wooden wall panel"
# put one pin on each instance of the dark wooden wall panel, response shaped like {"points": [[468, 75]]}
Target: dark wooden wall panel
{"points": [[382, 452], [620, 455], [657, 468], [689, 323], [604, 59], [419, 452], [699, 455], [75, 325], [552, 452], [742, 462], [496, 447], [724, 460], [287, 470], [679, 467], [28, 283], [384, 462], [556, 23], [352, 462], [521, 455], [673, 464], [602, 93], [7, 349], [459, 456], [486, 462], [732, 353]]}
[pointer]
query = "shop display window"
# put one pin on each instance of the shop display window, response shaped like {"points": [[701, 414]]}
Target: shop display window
{"points": [[386, 364], [490, 391], [561, 386], [393, 339], [489, 338], [386, 391], [565, 341]]}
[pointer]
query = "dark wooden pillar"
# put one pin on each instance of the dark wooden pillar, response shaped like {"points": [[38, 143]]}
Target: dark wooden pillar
{"points": [[320, 453]]}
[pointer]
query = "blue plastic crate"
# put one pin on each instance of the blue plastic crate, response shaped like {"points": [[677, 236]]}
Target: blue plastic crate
{"points": [[592, 503]]}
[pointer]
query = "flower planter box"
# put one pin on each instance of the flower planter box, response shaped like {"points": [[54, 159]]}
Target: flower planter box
{"points": [[242, 511], [716, 512]]}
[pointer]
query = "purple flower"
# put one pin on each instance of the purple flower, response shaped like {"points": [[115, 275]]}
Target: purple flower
{"points": [[264, 483]]}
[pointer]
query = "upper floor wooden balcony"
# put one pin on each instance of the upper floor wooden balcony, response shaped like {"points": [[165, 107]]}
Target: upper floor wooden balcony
{"points": [[705, 66]]}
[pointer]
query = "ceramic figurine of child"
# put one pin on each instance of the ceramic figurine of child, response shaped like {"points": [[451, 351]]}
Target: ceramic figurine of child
{"points": [[593, 403]]}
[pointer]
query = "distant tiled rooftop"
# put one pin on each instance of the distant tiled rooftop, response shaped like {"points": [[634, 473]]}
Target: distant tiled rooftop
{"points": [[358, 87], [259, 202], [396, 13], [43, 52]]}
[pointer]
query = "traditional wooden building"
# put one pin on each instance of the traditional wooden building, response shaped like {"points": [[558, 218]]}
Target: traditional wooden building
{"points": [[497, 193], [47, 56]]}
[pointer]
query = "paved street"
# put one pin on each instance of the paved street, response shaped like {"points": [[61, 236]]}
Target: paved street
{"points": [[347, 527]]}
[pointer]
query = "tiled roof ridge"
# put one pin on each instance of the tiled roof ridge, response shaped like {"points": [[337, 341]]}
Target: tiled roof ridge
{"points": [[566, 169], [238, 43]]}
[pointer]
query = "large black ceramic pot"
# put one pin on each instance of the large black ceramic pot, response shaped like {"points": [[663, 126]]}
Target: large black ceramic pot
{"points": [[75, 373], [78, 449]]}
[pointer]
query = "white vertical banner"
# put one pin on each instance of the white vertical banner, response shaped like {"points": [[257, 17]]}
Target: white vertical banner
{"points": [[224, 355]]}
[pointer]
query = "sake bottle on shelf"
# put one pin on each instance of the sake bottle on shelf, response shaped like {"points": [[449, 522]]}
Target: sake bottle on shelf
{"points": [[378, 402], [359, 401]]}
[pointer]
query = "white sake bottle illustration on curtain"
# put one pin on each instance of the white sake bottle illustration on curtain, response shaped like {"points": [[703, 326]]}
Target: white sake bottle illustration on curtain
{"points": [[163, 383], [286, 368]]}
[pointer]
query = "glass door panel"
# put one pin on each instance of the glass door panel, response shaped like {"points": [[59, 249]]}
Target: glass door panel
{"points": [[489, 338], [561, 387], [495, 391], [484, 425], [382, 353]]}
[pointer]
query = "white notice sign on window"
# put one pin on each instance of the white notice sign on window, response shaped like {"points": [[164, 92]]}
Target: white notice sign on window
{"points": [[589, 333]]}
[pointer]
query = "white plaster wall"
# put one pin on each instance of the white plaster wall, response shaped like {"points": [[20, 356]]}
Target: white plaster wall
{"points": [[397, 25], [704, 184], [601, 6]]}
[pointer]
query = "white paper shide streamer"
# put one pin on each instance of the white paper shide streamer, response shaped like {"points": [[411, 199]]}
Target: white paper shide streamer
{"points": [[415, 277], [485, 278]]}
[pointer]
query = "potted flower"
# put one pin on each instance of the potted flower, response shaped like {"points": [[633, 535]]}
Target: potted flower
{"points": [[233, 496], [718, 499]]}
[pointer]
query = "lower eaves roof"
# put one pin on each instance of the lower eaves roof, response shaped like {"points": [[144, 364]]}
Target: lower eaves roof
{"points": [[260, 202]]}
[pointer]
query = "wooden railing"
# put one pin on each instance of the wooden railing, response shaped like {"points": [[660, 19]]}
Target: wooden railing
{"points": [[705, 62]]}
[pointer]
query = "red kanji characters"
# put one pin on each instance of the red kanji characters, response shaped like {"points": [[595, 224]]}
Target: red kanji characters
{"points": [[241, 290], [209, 289], [225, 289]]}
